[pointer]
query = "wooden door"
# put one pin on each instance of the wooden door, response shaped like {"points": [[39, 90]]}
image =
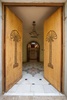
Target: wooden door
{"points": [[33, 54], [13, 49], [52, 49]]}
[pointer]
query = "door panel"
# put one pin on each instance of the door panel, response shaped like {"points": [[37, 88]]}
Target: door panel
{"points": [[13, 49], [33, 54], [52, 47]]}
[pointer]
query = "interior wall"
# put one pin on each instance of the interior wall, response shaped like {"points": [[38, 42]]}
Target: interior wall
{"points": [[0, 47], [27, 38], [65, 47]]}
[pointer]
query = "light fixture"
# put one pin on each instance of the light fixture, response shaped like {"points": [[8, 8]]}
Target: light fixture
{"points": [[33, 43], [34, 33]]}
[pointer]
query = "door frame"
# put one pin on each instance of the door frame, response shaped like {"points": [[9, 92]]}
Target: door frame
{"points": [[3, 35]]}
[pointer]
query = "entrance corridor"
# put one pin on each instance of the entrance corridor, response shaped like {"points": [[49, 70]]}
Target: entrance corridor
{"points": [[33, 82]]}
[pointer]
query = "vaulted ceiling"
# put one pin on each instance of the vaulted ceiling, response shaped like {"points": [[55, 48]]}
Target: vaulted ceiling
{"points": [[30, 14]]}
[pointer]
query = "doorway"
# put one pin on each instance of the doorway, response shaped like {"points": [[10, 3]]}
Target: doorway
{"points": [[30, 52], [33, 51]]}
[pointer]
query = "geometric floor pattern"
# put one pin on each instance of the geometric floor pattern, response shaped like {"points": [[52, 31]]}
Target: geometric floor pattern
{"points": [[33, 83]]}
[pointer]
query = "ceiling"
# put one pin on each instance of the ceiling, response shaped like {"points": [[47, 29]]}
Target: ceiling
{"points": [[30, 14]]}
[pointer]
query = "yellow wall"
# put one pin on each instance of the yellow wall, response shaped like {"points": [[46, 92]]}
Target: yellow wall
{"points": [[27, 39]]}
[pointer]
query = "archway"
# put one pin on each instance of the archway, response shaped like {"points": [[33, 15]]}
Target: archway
{"points": [[33, 51]]}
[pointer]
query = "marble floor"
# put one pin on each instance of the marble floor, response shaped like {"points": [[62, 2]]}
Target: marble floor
{"points": [[33, 82]]}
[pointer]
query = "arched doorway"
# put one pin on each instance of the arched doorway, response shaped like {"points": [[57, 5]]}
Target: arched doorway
{"points": [[33, 51]]}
